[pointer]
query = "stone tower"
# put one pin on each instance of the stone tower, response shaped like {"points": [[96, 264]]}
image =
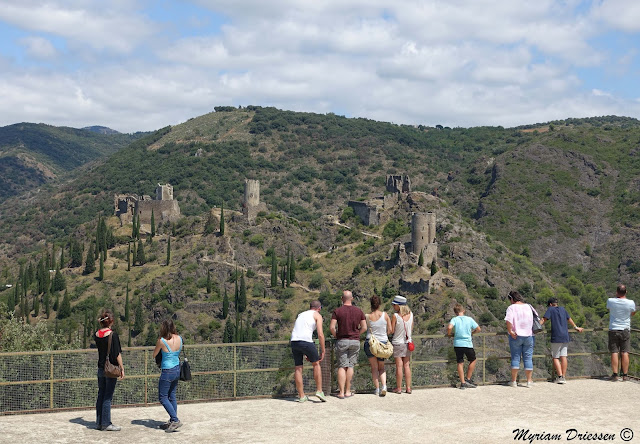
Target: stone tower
{"points": [[251, 192], [164, 192], [251, 205], [423, 231]]}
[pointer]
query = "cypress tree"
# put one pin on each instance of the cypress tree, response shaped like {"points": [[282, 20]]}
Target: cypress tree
{"points": [[59, 283], [151, 337], [52, 264], [129, 338], [138, 325], [229, 333], [292, 269], [139, 222], [13, 301], [283, 276], [128, 256], [421, 259], [36, 305], [134, 225], [134, 251], [242, 299], [56, 302], [168, 251], [76, 253], [225, 304], [274, 270], [62, 261], [65, 307], [47, 304], [173, 230], [126, 306], [153, 224], [434, 267], [90, 264], [208, 281], [140, 255], [222, 220], [101, 272]]}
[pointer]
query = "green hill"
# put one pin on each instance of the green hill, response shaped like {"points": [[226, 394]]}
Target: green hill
{"points": [[549, 209]]}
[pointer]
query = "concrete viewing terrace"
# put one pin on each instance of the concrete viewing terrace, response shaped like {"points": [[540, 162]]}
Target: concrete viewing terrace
{"points": [[487, 414]]}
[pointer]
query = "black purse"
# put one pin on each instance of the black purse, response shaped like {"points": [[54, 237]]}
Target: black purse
{"points": [[537, 326], [185, 368]]}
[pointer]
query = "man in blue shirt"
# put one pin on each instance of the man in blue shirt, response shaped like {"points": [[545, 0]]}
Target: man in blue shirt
{"points": [[620, 311], [559, 337], [464, 327]]}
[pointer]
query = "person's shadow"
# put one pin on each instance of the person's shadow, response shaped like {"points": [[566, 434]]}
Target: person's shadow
{"points": [[149, 423], [84, 422]]}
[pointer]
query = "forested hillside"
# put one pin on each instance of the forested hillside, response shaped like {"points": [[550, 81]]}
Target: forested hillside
{"points": [[548, 209]]}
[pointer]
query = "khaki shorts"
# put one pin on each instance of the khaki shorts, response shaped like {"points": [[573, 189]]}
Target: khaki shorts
{"points": [[400, 351], [559, 349], [347, 352], [619, 341]]}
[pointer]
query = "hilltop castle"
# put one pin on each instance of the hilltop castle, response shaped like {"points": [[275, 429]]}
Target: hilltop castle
{"points": [[164, 208]]}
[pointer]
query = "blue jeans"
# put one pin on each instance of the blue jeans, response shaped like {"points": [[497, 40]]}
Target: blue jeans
{"points": [[106, 387], [167, 387], [521, 345]]}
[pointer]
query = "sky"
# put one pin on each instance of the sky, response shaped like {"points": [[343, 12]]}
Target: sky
{"points": [[139, 65]]}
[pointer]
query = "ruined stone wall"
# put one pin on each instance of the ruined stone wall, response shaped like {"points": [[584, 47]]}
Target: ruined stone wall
{"points": [[368, 213], [164, 192], [163, 210], [397, 183]]}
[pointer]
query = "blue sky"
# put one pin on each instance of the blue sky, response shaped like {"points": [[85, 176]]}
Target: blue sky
{"points": [[141, 65]]}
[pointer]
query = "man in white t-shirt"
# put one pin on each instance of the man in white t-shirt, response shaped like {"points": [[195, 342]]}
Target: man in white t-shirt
{"points": [[620, 311], [302, 346]]}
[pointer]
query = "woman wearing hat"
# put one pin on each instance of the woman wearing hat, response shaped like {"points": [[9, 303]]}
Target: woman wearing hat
{"points": [[401, 326]]}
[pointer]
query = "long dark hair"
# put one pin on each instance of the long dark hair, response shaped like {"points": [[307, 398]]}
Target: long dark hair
{"points": [[167, 329]]}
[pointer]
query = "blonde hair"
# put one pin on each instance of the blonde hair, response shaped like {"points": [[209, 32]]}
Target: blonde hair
{"points": [[404, 310]]}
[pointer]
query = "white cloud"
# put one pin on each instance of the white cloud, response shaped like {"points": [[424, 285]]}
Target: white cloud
{"points": [[622, 15], [39, 48]]}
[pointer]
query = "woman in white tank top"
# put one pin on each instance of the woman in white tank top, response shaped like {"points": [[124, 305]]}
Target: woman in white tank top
{"points": [[401, 326], [378, 325]]}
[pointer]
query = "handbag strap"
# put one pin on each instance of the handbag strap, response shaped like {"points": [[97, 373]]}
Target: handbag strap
{"points": [[535, 313], [109, 346], [406, 335], [182, 349]]}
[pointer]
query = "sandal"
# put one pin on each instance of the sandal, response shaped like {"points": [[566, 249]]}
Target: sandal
{"points": [[396, 390], [408, 391]]}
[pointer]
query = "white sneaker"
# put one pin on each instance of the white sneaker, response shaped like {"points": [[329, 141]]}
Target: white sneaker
{"points": [[383, 392], [377, 392], [529, 384], [513, 383]]}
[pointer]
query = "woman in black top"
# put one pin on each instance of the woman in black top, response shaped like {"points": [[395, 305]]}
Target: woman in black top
{"points": [[106, 386]]}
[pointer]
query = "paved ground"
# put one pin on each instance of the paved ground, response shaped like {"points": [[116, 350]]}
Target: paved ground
{"points": [[483, 415]]}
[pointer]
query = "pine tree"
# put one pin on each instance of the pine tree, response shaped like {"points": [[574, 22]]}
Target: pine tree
{"points": [[222, 220], [274, 270], [140, 254], [90, 264], [101, 272], [421, 259], [126, 306], [225, 304], [434, 267], [168, 251], [138, 325], [153, 224], [242, 299], [65, 307], [128, 256]]}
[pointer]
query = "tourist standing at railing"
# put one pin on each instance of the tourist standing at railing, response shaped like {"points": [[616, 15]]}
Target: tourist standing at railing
{"points": [[302, 346], [559, 318], [170, 345], [347, 324], [379, 325], [402, 327], [107, 385], [461, 328], [519, 319], [620, 311]]}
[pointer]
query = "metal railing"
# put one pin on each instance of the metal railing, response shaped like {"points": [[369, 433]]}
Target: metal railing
{"points": [[66, 379]]}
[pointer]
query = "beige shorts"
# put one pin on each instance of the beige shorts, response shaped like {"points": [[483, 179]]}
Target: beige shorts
{"points": [[401, 351], [559, 349]]}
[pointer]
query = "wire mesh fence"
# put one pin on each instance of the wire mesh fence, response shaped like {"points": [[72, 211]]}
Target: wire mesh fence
{"points": [[53, 380]]}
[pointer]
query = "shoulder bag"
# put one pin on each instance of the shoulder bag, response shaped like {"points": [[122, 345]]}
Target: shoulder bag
{"points": [[379, 349], [537, 326], [110, 370], [185, 367]]}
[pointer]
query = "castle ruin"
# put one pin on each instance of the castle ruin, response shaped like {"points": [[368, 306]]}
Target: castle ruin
{"points": [[398, 183], [423, 236], [371, 211], [164, 208], [251, 204]]}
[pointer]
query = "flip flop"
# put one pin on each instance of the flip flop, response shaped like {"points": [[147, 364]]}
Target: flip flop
{"points": [[408, 391], [349, 395], [340, 396], [396, 390]]}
